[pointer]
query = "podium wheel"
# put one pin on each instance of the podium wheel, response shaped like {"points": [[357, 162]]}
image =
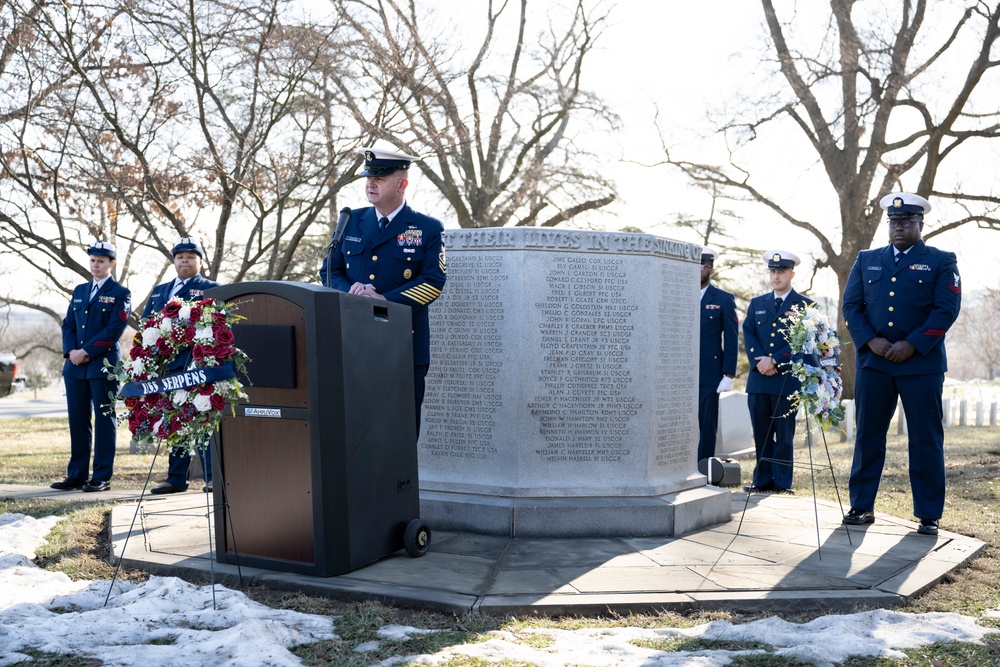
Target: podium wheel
{"points": [[417, 538]]}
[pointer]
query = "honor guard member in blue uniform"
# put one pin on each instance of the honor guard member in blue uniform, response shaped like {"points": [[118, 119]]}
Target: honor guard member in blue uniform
{"points": [[719, 348], [95, 320], [770, 384], [898, 303], [189, 285], [389, 251]]}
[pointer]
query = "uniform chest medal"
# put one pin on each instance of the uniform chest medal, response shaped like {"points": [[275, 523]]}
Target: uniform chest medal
{"points": [[411, 237], [712, 306], [106, 299], [197, 293]]}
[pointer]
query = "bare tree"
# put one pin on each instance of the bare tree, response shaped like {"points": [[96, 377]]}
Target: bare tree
{"points": [[142, 121], [497, 129], [880, 106]]}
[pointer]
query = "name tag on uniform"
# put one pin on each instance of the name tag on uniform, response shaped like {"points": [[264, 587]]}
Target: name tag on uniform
{"points": [[712, 306], [409, 249], [919, 267], [873, 268], [760, 312], [353, 239], [77, 300]]}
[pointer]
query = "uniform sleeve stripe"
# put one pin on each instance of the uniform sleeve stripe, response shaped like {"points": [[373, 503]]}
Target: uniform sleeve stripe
{"points": [[934, 332], [423, 293]]}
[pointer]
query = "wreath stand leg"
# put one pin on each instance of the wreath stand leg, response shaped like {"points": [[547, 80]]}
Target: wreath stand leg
{"points": [[812, 472], [208, 518], [219, 478], [138, 506]]}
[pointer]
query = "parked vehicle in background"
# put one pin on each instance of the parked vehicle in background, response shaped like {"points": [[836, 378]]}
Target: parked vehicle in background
{"points": [[8, 370]]}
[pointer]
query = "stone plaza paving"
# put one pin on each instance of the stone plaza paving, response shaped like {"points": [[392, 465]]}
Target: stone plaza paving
{"points": [[788, 554]]}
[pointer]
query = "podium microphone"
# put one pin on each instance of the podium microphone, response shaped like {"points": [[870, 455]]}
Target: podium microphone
{"points": [[338, 233]]}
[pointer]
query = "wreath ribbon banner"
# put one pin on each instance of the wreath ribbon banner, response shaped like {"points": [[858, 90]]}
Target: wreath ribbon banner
{"points": [[181, 380]]}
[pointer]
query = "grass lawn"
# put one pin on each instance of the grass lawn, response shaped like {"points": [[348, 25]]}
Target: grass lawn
{"points": [[35, 451]]}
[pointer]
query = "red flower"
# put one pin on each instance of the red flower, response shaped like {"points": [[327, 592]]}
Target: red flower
{"points": [[189, 334], [171, 309], [224, 337], [135, 352], [219, 319], [198, 352], [218, 402], [195, 314], [131, 402], [206, 389], [223, 353], [163, 347]]}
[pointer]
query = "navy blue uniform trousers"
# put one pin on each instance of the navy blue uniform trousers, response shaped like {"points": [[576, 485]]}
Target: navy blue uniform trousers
{"points": [[82, 397], [708, 420], [876, 394], [773, 425]]}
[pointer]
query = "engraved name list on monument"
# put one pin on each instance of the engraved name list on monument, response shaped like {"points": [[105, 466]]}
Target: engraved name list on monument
{"points": [[676, 414], [462, 410], [586, 402]]}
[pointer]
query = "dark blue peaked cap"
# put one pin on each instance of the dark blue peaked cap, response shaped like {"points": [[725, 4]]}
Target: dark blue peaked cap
{"points": [[188, 244]]}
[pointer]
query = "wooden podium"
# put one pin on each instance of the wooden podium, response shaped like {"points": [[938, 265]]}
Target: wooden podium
{"points": [[317, 472]]}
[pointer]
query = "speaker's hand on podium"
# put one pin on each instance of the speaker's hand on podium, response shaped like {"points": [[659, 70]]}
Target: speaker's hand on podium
{"points": [[365, 289]]}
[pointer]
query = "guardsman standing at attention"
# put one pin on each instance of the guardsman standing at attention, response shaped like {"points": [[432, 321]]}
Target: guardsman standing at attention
{"points": [[898, 303], [189, 285], [720, 330], [770, 384], [389, 251], [95, 320]]}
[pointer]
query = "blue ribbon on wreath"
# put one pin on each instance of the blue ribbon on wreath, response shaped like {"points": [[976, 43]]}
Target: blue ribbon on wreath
{"points": [[181, 380]]}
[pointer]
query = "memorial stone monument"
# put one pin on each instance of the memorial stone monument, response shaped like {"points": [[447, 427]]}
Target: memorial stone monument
{"points": [[562, 395]]}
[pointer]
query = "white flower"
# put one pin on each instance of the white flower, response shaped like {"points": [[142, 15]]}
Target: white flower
{"points": [[184, 313], [165, 325], [180, 396], [138, 368], [149, 336], [204, 334], [202, 402]]}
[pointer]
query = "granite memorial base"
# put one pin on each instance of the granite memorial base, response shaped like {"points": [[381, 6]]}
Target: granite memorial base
{"points": [[562, 393]]}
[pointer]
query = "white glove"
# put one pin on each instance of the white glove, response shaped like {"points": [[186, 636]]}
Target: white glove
{"points": [[725, 385]]}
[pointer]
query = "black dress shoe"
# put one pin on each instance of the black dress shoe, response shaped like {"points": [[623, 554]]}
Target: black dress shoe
{"points": [[166, 487], [68, 484], [785, 492], [208, 488], [858, 517], [763, 488], [928, 527], [96, 485]]}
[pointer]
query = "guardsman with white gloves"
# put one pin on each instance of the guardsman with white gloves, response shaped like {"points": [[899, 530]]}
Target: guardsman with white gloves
{"points": [[720, 330]]}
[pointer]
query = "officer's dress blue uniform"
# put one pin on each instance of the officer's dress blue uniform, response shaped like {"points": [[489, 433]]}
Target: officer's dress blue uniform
{"points": [[768, 396], [916, 300], [405, 263], [95, 327], [719, 343], [193, 290]]}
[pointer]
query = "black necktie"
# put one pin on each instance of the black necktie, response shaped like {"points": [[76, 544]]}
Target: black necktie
{"points": [[899, 257], [383, 223], [777, 304]]}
